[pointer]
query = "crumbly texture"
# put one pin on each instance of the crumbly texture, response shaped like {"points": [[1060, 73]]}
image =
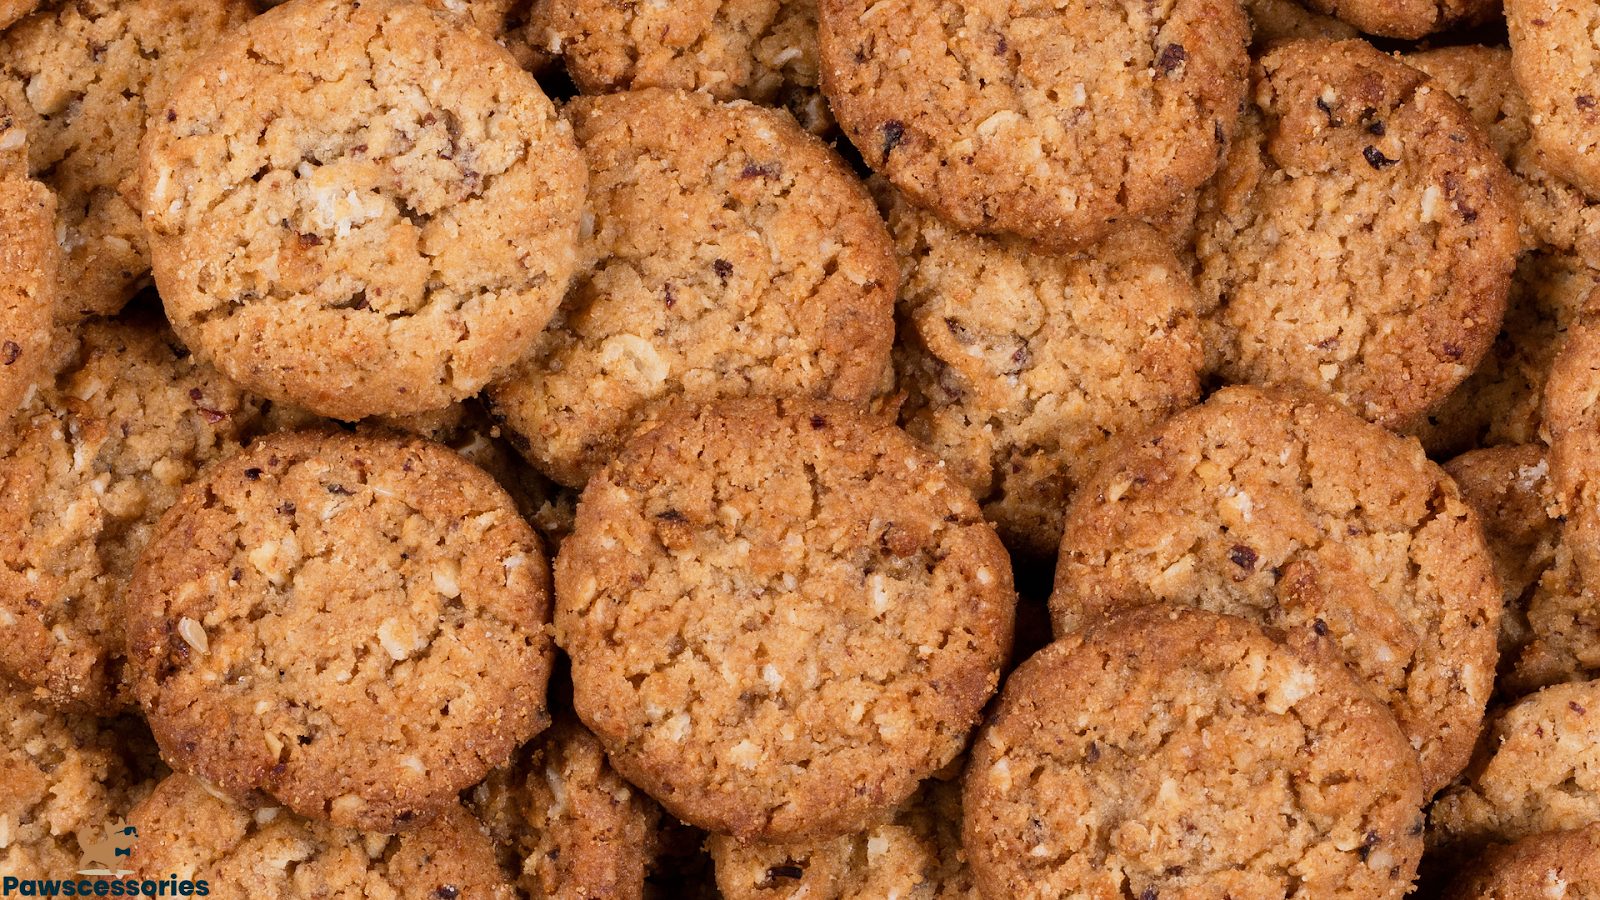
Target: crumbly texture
{"points": [[781, 615], [188, 831], [1572, 419], [29, 260], [733, 255], [1180, 754], [1553, 54], [375, 222], [915, 854], [352, 624], [1023, 370], [565, 823], [83, 77], [123, 418], [979, 111], [1540, 772], [1360, 238], [1557, 864], [12, 10], [1288, 510], [67, 779], [1409, 19], [1282, 20]]}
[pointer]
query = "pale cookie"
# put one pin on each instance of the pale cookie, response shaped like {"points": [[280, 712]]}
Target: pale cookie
{"points": [[1288, 510], [1048, 120], [733, 255], [349, 623], [187, 832], [1184, 755], [83, 77], [29, 262], [782, 615], [1553, 53], [1553, 865], [375, 222], [1024, 370], [124, 416], [1360, 238]]}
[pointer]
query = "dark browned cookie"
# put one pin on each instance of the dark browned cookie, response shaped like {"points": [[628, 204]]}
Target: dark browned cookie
{"points": [[1360, 238], [1180, 754], [352, 624], [1048, 120], [1289, 510], [782, 615], [1553, 865]]}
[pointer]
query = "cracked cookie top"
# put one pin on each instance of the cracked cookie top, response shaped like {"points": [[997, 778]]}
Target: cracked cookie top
{"points": [[361, 208], [781, 615], [1180, 754], [352, 624], [1290, 511], [1049, 120]]}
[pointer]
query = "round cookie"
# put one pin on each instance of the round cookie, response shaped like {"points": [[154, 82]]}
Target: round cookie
{"points": [[1552, 50], [1179, 754], [29, 262], [1360, 238], [1553, 864], [189, 833], [124, 416], [1409, 19], [1288, 510], [374, 223], [781, 615], [734, 255], [82, 77], [1284, 20], [1573, 423], [1047, 120], [349, 623], [1023, 370]]}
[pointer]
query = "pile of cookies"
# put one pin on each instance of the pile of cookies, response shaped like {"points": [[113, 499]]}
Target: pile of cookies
{"points": [[863, 448]]}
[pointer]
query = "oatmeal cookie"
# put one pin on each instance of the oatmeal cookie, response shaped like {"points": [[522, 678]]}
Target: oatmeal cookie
{"points": [[29, 263], [1282, 20], [781, 615], [1048, 120], [349, 623], [734, 255], [1554, 864], [1023, 370], [1360, 238], [1180, 754], [1553, 46], [124, 417], [1288, 510], [83, 77], [375, 222]]}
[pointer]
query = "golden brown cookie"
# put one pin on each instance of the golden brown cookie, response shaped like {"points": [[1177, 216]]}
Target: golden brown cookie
{"points": [[124, 417], [29, 262], [1288, 510], [1180, 754], [1563, 628], [1360, 238], [1552, 49], [1282, 20], [352, 624], [1409, 19], [1553, 864], [82, 77], [1023, 370], [374, 223], [188, 832], [1048, 120], [734, 255], [781, 615], [1573, 422]]}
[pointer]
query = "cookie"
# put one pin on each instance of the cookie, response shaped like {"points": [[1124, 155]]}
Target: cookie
{"points": [[1409, 19], [1538, 867], [82, 77], [29, 262], [382, 243], [1045, 120], [1283, 20], [1563, 628], [781, 615], [124, 416], [1551, 42], [1360, 238], [734, 255], [1573, 424], [1180, 754], [12, 10], [1288, 510], [350, 623], [187, 832], [1023, 370]]}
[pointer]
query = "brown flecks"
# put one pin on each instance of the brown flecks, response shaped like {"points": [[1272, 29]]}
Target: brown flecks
{"points": [[723, 268], [1149, 893], [1243, 557], [1172, 57], [213, 415], [196, 394], [280, 769], [818, 422], [1331, 343], [1541, 23], [252, 473], [1377, 129], [1333, 120], [787, 870], [286, 509], [1320, 627], [671, 298], [1092, 752], [1584, 101], [446, 892], [764, 170], [894, 131], [172, 115], [1573, 705], [1377, 160], [308, 241], [9, 351], [338, 489]]}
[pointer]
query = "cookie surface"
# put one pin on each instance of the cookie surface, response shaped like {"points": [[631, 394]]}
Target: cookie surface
{"points": [[781, 616], [30, 260], [123, 418], [1552, 45], [977, 110], [1023, 370], [374, 223], [1290, 511], [349, 623], [1538, 867], [1180, 754], [1360, 238], [734, 255]]}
